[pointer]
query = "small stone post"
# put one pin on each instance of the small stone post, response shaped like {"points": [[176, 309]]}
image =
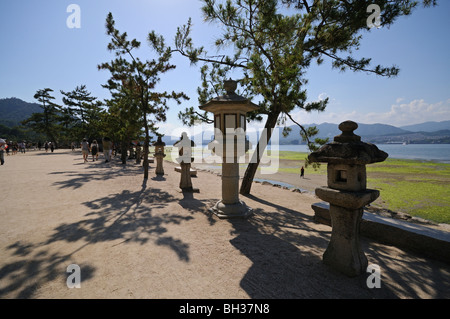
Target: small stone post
{"points": [[185, 151], [159, 154], [347, 194]]}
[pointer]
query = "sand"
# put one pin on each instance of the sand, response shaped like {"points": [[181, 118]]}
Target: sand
{"points": [[149, 240]]}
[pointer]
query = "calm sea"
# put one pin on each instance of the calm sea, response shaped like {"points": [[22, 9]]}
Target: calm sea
{"points": [[425, 152]]}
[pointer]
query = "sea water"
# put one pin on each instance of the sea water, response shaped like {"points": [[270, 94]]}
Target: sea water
{"points": [[422, 152], [439, 153]]}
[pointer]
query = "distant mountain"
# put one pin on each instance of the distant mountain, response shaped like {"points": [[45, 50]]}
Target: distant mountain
{"points": [[13, 111], [368, 130], [428, 127], [329, 130]]}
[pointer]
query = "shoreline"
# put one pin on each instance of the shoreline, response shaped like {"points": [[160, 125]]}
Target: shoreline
{"points": [[404, 172]]}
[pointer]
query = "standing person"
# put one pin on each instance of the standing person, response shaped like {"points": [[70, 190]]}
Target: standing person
{"points": [[52, 146], [302, 172], [46, 147], [73, 146], [2, 151], [85, 149], [107, 148], [94, 150]]}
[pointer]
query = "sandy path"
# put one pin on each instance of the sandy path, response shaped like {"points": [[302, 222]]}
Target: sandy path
{"points": [[135, 240]]}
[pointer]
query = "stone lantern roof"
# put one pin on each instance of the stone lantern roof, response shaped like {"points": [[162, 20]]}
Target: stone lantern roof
{"points": [[185, 138], [347, 148], [159, 142], [229, 101]]}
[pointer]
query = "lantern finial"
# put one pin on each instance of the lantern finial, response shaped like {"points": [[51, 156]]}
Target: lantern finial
{"points": [[230, 86]]}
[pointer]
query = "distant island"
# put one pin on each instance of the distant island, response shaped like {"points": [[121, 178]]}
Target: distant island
{"points": [[424, 133], [14, 110]]}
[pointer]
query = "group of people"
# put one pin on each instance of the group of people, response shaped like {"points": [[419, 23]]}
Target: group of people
{"points": [[94, 149], [47, 146], [14, 147], [11, 147]]}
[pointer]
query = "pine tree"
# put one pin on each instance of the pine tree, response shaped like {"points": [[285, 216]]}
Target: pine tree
{"points": [[46, 122], [82, 110], [121, 124], [273, 44], [136, 80]]}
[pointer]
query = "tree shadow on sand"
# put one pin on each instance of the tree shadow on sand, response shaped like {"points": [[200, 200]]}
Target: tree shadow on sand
{"points": [[104, 172], [127, 216], [288, 264], [193, 205], [34, 266]]}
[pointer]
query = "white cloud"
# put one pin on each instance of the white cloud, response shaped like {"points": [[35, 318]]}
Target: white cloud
{"points": [[322, 96], [171, 129], [414, 112]]}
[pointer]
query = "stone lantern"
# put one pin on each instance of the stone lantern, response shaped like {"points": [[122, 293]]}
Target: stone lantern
{"points": [[159, 154], [184, 146], [229, 142], [347, 194]]}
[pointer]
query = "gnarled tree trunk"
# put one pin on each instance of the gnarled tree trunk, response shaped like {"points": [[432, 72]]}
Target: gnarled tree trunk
{"points": [[254, 163]]}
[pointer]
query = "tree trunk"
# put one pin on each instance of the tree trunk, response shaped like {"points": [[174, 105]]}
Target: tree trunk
{"points": [[254, 163], [146, 146], [138, 153], [123, 151]]}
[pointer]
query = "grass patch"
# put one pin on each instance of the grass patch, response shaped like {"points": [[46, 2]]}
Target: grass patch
{"points": [[422, 198], [419, 188], [288, 155], [410, 167]]}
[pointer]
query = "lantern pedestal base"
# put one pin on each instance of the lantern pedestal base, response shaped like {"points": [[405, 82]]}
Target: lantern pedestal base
{"points": [[236, 210], [159, 163], [189, 190], [344, 252]]}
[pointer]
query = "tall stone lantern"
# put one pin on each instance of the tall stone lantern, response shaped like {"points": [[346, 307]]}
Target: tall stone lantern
{"points": [[159, 154], [347, 194], [229, 142]]}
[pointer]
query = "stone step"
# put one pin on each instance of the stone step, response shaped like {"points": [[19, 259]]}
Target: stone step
{"points": [[425, 240]]}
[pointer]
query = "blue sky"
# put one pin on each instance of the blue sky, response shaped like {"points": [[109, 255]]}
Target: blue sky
{"points": [[39, 50]]}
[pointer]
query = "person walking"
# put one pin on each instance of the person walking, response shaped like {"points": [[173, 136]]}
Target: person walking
{"points": [[94, 150], [107, 148], [2, 151], [85, 149], [302, 172]]}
